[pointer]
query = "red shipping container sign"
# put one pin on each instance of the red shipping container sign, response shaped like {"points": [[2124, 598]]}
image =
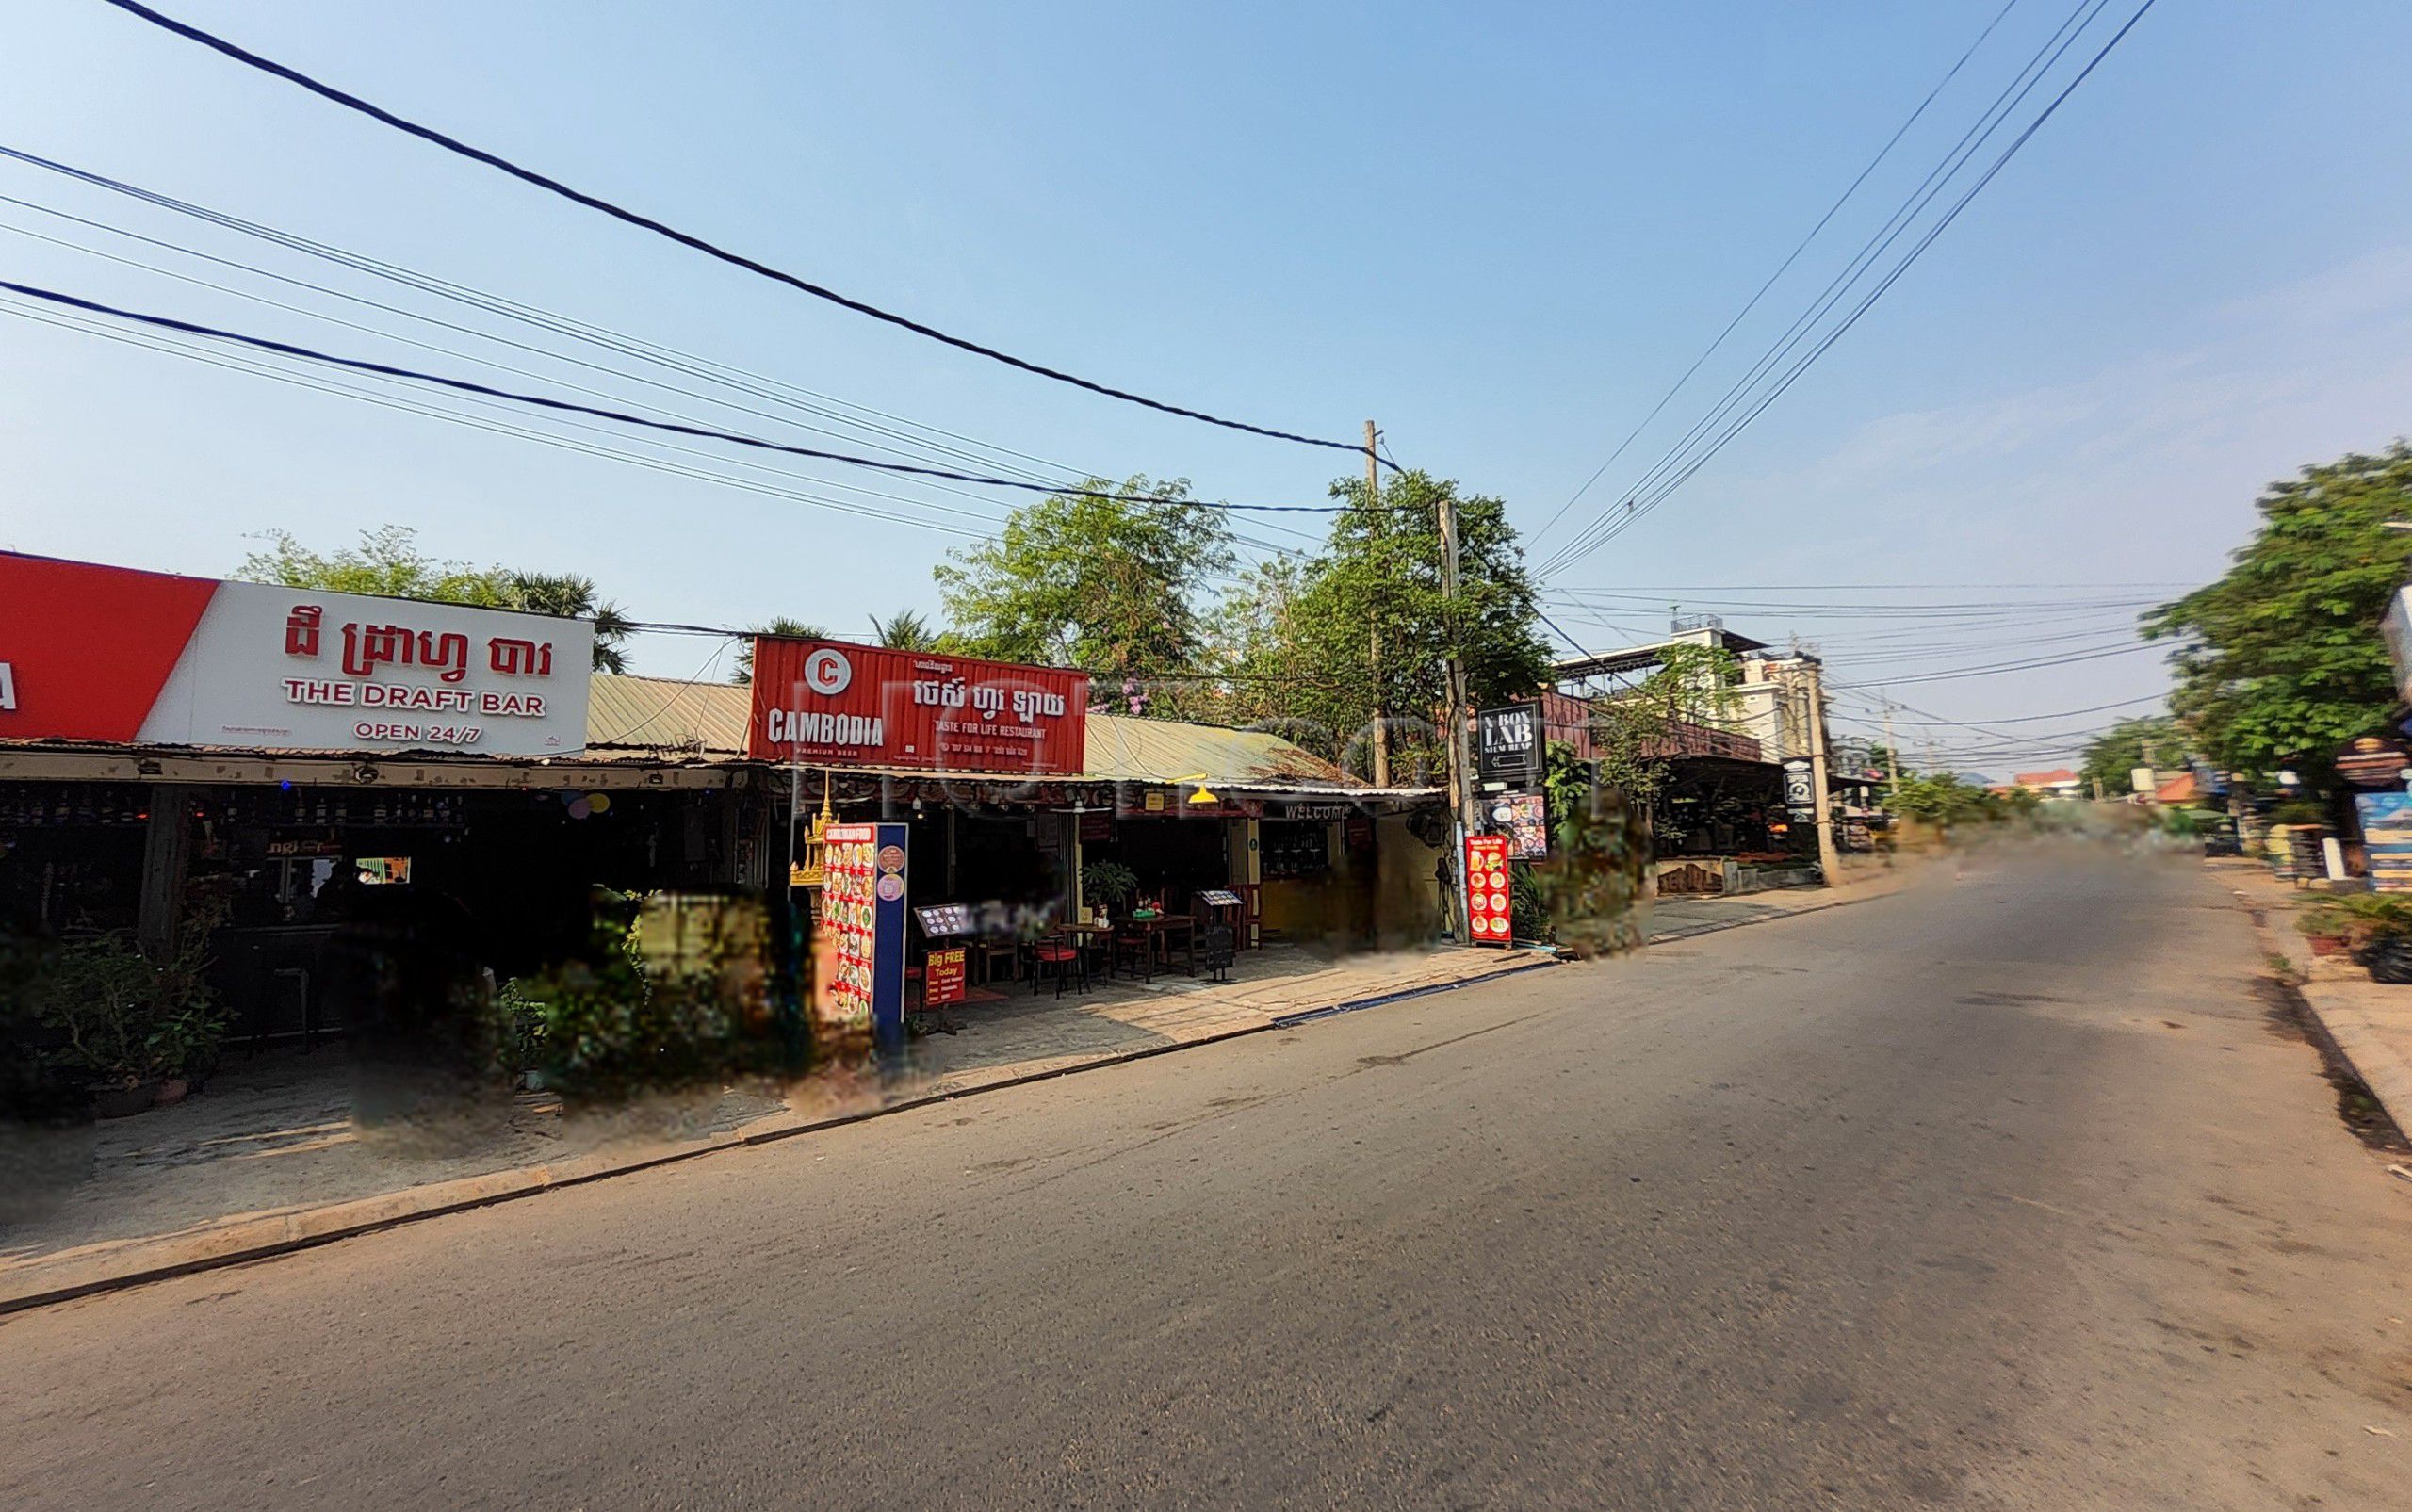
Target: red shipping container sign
{"points": [[1487, 902], [942, 977], [824, 703]]}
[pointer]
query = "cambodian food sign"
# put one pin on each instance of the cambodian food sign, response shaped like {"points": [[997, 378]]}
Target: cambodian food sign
{"points": [[823, 703], [1488, 908]]}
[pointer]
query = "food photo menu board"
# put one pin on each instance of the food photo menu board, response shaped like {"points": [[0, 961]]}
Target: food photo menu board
{"points": [[860, 985], [1487, 902]]}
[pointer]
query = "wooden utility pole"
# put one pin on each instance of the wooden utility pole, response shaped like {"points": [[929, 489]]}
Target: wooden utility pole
{"points": [[1373, 623], [1462, 798], [1829, 858]]}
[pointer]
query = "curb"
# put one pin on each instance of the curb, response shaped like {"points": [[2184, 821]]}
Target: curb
{"points": [[1381, 1000], [1697, 930], [282, 1233], [2382, 1072]]}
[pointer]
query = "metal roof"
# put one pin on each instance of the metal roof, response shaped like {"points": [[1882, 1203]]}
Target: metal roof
{"points": [[662, 718]]}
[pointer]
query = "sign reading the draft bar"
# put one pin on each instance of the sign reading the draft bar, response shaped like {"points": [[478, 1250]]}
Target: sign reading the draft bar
{"points": [[109, 653], [823, 703]]}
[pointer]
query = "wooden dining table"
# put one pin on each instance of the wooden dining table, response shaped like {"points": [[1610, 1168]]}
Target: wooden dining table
{"points": [[1159, 934]]}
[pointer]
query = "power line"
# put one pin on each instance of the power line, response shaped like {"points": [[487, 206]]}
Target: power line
{"points": [[1781, 268], [1988, 122], [2021, 719], [645, 223], [1607, 527], [623, 416], [1606, 530], [255, 369], [742, 379], [770, 390], [1759, 406], [2017, 666]]}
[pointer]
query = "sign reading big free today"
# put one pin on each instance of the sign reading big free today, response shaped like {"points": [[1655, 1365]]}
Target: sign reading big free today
{"points": [[121, 656]]}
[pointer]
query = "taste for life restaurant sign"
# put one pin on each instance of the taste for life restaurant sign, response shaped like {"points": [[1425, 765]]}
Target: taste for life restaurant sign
{"points": [[110, 654], [824, 703]]}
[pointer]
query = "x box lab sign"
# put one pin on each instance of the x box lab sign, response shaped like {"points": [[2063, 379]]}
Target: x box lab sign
{"points": [[828, 703], [128, 657], [1510, 749]]}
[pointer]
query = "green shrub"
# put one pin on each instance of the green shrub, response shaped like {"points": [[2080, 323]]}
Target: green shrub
{"points": [[122, 1018], [635, 1012]]}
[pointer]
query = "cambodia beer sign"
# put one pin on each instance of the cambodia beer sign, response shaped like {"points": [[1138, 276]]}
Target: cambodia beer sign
{"points": [[109, 653], [824, 703]]}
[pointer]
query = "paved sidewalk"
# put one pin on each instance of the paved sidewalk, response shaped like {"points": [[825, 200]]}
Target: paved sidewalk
{"points": [[2370, 1021], [270, 1159]]}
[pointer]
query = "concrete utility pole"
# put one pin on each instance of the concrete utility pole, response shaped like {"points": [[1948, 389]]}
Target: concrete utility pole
{"points": [[1829, 858], [1374, 627], [1891, 752], [1461, 797]]}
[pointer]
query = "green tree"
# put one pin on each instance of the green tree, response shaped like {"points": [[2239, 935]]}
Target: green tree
{"points": [[1298, 640], [2281, 659], [781, 625], [1944, 798], [572, 596], [2113, 756], [388, 562], [906, 630], [1635, 731], [1108, 580]]}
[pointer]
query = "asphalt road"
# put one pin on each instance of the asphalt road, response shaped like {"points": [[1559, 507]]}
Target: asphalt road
{"points": [[2002, 1192]]}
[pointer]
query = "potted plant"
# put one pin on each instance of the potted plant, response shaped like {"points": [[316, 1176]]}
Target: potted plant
{"points": [[2327, 927], [2379, 928], [1107, 885], [136, 1029]]}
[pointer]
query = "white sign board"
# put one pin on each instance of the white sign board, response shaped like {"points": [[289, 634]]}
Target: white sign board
{"points": [[286, 668]]}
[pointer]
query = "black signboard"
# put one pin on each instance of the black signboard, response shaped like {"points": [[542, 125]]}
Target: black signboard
{"points": [[1511, 749], [1801, 789]]}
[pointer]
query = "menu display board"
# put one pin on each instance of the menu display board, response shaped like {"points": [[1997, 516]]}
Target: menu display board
{"points": [[1486, 906], [942, 977], [860, 985], [2386, 839], [1523, 818], [944, 920]]}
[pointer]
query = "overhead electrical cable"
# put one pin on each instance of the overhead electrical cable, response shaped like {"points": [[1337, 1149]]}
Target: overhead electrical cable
{"points": [[742, 379], [624, 417], [219, 359], [824, 483], [1781, 268], [2030, 74], [1609, 526], [527, 176], [2012, 94]]}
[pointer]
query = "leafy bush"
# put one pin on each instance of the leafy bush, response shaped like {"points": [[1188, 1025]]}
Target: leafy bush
{"points": [[640, 1009], [124, 1019]]}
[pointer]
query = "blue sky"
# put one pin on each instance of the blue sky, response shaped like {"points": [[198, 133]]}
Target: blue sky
{"points": [[1500, 231]]}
